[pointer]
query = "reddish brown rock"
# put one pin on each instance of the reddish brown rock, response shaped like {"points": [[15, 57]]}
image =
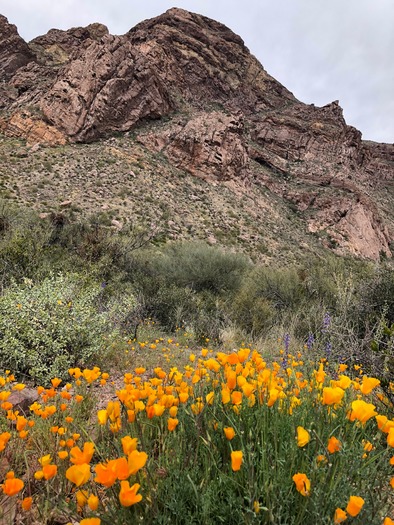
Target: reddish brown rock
{"points": [[209, 145], [33, 130], [58, 47], [14, 52], [109, 88]]}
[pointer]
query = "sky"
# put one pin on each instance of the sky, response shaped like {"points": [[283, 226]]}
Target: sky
{"points": [[321, 50]]}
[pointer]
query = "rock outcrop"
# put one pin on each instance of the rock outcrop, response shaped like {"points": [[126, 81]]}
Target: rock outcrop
{"points": [[208, 145], [14, 52], [188, 88]]}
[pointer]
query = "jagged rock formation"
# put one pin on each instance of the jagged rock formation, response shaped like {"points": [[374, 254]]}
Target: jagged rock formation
{"points": [[218, 115]]}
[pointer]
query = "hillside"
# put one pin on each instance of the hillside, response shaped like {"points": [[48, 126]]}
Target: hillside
{"points": [[176, 124]]}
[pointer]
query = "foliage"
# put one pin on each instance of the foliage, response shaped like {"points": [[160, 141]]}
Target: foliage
{"points": [[201, 267], [50, 326]]}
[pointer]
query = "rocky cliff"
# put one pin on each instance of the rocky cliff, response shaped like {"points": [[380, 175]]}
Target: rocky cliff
{"points": [[190, 90]]}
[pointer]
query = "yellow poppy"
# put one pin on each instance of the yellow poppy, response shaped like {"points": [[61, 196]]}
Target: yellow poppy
{"points": [[339, 516], [361, 411], [368, 384], [78, 474], [128, 495], [302, 483], [229, 432], [129, 444], [236, 460], [136, 461], [332, 395], [303, 437], [354, 505]]}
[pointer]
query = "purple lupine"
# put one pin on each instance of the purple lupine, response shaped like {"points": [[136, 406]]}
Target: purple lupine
{"points": [[285, 359], [310, 341], [326, 322]]}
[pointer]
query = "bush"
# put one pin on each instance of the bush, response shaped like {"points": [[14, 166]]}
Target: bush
{"points": [[48, 327], [23, 241], [200, 267], [265, 296]]}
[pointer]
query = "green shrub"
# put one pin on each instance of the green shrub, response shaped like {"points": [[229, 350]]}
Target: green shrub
{"points": [[198, 266], [266, 295], [48, 327], [23, 241]]}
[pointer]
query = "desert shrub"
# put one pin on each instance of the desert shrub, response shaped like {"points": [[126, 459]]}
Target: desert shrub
{"points": [[23, 241], [198, 266], [376, 297], [48, 327], [266, 294], [187, 284]]}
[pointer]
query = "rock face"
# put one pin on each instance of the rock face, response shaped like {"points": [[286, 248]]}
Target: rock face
{"points": [[34, 131], [189, 88], [14, 52], [208, 145]]}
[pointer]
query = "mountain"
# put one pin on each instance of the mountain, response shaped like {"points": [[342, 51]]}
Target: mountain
{"points": [[177, 120]]}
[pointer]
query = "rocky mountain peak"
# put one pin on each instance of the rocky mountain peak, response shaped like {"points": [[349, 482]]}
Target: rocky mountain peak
{"points": [[14, 52], [191, 91]]}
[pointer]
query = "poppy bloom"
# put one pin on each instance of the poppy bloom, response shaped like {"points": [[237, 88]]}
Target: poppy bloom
{"points": [[320, 374], [172, 423], [236, 460], [45, 460], [136, 461], [128, 495], [343, 382], [27, 503], [361, 411], [339, 516], [303, 437], [78, 474], [390, 437], [12, 486], [129, 444], [236, 397], [368, 384], [354, 505], [226, 396], [49, 471], [229, 432], [105, 475], [93, 502], [334, 445], [79, 457], [302, 483], [102, 416], [332, 395]]}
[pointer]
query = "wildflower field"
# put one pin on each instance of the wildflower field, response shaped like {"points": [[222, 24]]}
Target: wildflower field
{"points": [[226, 438]]}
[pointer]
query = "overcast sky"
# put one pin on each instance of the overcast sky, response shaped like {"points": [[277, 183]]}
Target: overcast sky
{"points": [[321, 50]]}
